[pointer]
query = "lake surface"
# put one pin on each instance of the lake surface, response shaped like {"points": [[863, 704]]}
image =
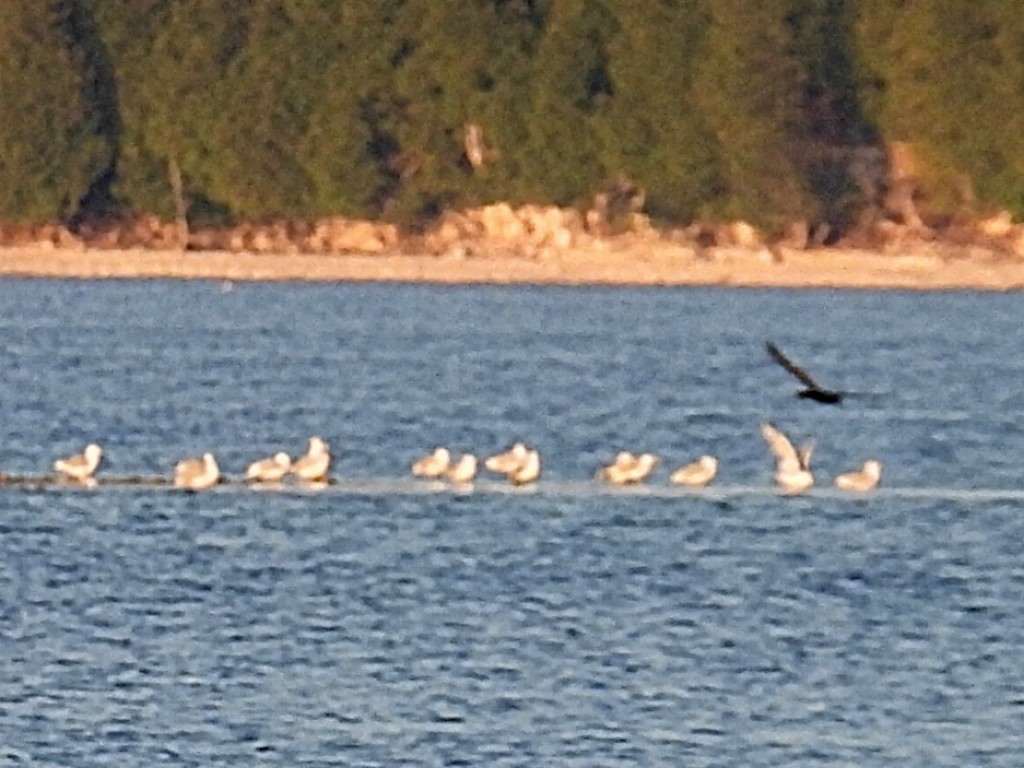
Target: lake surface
{"points": [[385, 622]]}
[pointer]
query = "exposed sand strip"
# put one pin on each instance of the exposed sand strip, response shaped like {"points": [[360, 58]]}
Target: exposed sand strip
{"points": [[665, 265]]}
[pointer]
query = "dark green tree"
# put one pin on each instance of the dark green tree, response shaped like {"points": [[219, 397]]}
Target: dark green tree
{"points": [[452, 63], [301, 108], [651, 131], [999, 166], [750, 89], [822, 33], [346, 152], [945, 78], [559, 160], [901, 64], [270, 87], [823, 41], [167, 57], [56, 130], [981, 115]]}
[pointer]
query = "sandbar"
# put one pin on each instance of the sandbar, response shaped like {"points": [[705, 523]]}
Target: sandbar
{"points": [[665, 265]]}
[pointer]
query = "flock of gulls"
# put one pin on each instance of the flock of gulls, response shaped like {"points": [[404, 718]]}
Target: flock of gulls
{"points": [[520, 464], [198, 474]]}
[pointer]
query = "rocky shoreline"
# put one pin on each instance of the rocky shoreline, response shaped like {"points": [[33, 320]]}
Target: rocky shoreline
{"points": [[531, 244]]}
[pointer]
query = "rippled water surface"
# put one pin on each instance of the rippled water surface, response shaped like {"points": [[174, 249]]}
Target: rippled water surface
{"points": [[385, 622]]}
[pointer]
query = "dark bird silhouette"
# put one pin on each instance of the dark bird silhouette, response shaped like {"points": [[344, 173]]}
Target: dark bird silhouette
{"points": [[813, 391]]}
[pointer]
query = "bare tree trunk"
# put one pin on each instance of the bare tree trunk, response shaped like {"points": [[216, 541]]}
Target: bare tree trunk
{"points": [[180, 204], [901, 202], [473, 141], [476, 151]]}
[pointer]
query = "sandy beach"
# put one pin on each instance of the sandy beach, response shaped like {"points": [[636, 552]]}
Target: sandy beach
{"points": [[634, 265]]}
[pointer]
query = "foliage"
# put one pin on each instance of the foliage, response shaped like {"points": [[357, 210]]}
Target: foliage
{"points": [[652, 131], [167, 55], [57, 139], [559, 161], [947, 78], [346, 150], [750, 89], [306, 108]]}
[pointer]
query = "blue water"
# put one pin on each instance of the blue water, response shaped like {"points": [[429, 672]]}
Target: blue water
{"points": [[382, 622]]}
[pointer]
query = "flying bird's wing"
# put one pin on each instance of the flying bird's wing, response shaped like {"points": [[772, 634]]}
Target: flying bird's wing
{"points": [[813, 391], [789, 365]]}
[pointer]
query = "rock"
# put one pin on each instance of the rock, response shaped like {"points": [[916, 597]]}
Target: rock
{"points": [[339, 235], [798, 235], [261, 241], [999, 225], [1017, 242], [499, 222], [742, 235]]}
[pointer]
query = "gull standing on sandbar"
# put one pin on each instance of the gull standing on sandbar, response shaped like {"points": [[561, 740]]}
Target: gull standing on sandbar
{"points": [[509, 461], [270, 470], [627, 468], [81, 466], [616, 471], [197, 474], [314, 465], [865, 479], [434, 464], [463, 471], [696, 474], [528, 471]]}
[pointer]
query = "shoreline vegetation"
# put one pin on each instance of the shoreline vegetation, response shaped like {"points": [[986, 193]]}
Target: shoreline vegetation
{"points": [[531, 245], [799, 143]]}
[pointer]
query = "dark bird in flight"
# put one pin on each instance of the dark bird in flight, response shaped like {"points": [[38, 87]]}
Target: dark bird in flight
{"points": [[813, 391]]}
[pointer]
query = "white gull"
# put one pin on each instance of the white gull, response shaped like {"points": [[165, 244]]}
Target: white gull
{"points": [[509, 461], [270, 470], [463, 471], [197, 474], [315, 464], [628, 468], [696, 474], [81, 466], [863, 480], [434, 464], [793, 468], [527, 472]]}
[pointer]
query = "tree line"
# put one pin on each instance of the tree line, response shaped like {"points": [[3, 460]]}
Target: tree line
{"points": [[401, 109]]}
